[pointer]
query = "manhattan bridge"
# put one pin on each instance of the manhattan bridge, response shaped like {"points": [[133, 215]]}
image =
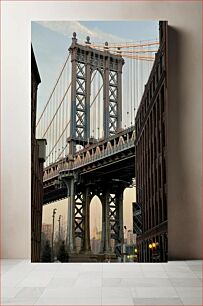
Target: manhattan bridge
{"points": [[88, 122]]}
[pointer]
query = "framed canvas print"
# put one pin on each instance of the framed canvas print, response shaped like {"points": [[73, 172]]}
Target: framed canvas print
{"points": [[99, 149]]}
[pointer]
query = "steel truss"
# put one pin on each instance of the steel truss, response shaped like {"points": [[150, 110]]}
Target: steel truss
{"points": [[84, 61]]}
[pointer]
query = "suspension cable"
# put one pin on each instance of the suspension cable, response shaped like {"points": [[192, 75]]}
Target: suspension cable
{"points": [[53, 89], [134, 51], [57, 110], [123, 45], [59, 138], [96, 95], [142, 53], [62, 151]]}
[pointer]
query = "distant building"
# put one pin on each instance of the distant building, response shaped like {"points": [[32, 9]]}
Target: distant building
{"points": [[134, 238], [77, 244], [129, 237], [37, 160], [95, 245], [47, 230], [62, 234], [95, 242], [151, 160]]}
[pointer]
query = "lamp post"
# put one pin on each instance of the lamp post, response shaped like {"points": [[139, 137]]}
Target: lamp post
{"points": [[124, 245], [136, 254], [154, 246], [52, 242]]}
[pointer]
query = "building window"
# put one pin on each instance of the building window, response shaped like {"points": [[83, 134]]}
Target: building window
{"points": [[164, 171], [159, 174], [157, 74], [165, 206], [163, 134], [162, 100]]}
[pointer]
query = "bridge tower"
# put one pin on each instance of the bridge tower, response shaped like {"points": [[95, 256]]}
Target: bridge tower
{"points": [[85, 60]]}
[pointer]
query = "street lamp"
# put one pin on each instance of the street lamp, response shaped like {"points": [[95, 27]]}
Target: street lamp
{"points": [[154, 246], [136, 254], [52, 242]]}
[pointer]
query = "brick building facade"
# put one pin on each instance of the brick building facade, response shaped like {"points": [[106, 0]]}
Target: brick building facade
{"points": [[47, 230], [37, 160], [151, 160]]}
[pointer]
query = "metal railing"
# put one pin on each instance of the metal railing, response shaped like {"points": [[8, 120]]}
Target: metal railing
{"points": [[84, 158]]}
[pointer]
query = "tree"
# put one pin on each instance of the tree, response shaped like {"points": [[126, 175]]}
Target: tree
{"points": [[46, 254], [62, 253]]}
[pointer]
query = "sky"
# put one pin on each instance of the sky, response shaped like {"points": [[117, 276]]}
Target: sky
{"points": [[51, 40]]}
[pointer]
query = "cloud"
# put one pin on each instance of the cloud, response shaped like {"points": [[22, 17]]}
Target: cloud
{"points": [[68, 27]]}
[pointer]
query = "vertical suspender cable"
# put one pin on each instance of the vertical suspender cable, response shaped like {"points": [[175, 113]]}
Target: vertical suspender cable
{"points": [[60, 111], [130, 114], [131, 90], [99, 111], [141, 77], [134, 97], [56, 128], [56, 120], [91, 92], [50, 97], [68, 102], [126, 93], [51, 130], [61, 129], [60, 114], [64, 103], [48, 134], [94, 109], [48, 140], [137, 83], [47, 147], [128, 96]]}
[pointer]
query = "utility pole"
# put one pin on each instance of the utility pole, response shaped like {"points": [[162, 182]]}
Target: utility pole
{"points": [[52, 242], [123, 246], [59, 221]]}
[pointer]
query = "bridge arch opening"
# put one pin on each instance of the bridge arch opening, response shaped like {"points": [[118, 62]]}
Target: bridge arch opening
{"points": [[95, 224], [96, 105]]}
